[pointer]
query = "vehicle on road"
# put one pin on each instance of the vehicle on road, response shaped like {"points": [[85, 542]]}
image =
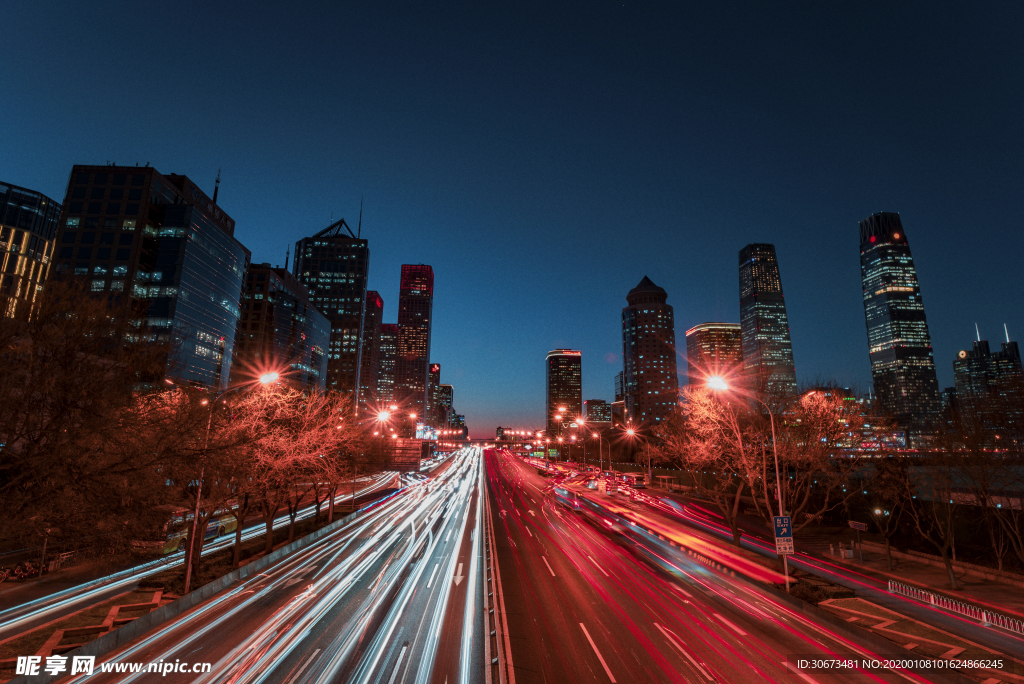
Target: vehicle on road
{"points": [[173, 535], [567, 498]]}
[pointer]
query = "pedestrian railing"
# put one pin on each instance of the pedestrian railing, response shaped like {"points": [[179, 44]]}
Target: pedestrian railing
{"points": [[986, 617]]}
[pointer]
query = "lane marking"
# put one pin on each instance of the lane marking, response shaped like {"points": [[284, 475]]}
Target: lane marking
{"points": [[598, 653], [532, 513], [458, 575], [448, 536], [734, 627], [304, 666], [528, 531], [598, 567], [682, 591], [398, 663], [549, 565], [436, 565], [682, 650]]}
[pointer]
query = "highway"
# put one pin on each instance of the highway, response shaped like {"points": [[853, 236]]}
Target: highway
{"points": [[390, 597], [30, 614], [590, 605]]}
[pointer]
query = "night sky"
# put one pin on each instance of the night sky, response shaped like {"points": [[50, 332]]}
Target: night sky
{"points": [[544, 158]]}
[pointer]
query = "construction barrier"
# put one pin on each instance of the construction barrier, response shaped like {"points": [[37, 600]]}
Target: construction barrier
{"points": [[986, 617]]}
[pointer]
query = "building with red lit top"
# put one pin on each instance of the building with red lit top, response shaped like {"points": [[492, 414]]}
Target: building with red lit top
{"points": [[563, 368], [415, 305], [651, 386], [369, 371]]}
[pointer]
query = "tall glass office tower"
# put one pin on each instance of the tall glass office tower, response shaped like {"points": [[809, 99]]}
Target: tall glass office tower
{"points": [[649, 355], [415, 304], [563, 368], [902, 364], [764, 325]]}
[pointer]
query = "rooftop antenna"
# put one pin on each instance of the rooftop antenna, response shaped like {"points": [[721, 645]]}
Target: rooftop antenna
{"points": [[1005, 330], [287, 256], [978, 334], [359, 228], [216, 187]]}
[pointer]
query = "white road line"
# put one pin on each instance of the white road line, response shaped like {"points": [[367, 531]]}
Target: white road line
{"points": [[683, 651], [394, 672], [528, 531], [304, 666], [549, 565], [734, 627], [532, 513], [798, 673], [432, 575], [598, 567], [598, 653], [447, 536], [681, 590]]}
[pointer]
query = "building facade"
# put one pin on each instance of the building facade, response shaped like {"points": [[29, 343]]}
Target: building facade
{"points": [[369, 372], [564, 397], [388, 361], [597, 411], [714, 350], [415, 306], [280, 330], [649, 355], [333, 265], [28, 226], [764, 325], [444, 406], [162, 247], [432, 416], [991, 383], [899, 346]]}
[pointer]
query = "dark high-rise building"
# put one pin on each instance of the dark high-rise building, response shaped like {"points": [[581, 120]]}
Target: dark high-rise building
{"points": [[444, 402], [280, 330], [597, 411], [649, 354], [764, 325], [564, 389], [28, 226], [900, 348], [620, 386], [333, 265], [388, 360], [714, 349], [369, 373], [990, 382], [162, 247], [432, 417], [415, 304]]}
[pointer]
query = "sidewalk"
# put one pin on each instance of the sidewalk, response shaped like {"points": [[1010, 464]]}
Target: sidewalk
{"points": [[998, 596]]}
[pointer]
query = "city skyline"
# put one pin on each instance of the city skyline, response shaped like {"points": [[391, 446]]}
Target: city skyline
{"points": [[668, 173]]}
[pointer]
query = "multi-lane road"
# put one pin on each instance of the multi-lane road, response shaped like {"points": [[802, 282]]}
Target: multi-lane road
{"points": [[478, 575]]}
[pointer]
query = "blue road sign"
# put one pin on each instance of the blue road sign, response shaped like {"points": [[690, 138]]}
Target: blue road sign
{"points": [[783, 526]]}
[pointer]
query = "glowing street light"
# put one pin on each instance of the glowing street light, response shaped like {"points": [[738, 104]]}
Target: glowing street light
{"points": [[268, 378]]}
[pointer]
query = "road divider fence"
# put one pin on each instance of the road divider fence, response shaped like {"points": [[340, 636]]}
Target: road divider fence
{"points": [[986, 617]]}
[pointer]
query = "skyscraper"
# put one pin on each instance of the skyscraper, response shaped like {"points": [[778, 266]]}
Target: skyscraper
{"points": [[28, 226], [285, 334], [432, 417], [160, 246], [598, 411], [444, 402], [564, 388], [649, 354], [415, 304], [899, 346], [990, 382], [714, 349], [369, 372], [333, 265], [764, 325], [388, 360]]}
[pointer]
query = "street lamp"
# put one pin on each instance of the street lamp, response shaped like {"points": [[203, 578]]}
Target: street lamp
{"points": [[719, 384], [264, 379]]}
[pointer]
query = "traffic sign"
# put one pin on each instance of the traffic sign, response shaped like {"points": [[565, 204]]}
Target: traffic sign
{"points": [[783, 535], [783, 526], [860, 527]]}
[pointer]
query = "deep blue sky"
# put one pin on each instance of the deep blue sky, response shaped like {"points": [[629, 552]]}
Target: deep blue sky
{"points": [[544, 157]]}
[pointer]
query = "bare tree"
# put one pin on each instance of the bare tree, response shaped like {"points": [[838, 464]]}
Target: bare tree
{"points": [[889, 488]]}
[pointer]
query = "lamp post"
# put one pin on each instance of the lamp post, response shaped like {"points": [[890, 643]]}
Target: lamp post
{"points": [[600, 463], [719, 384], [265, 379]]}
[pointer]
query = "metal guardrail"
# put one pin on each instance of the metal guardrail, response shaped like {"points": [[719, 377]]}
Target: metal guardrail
{"points": [[986, 617]]}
